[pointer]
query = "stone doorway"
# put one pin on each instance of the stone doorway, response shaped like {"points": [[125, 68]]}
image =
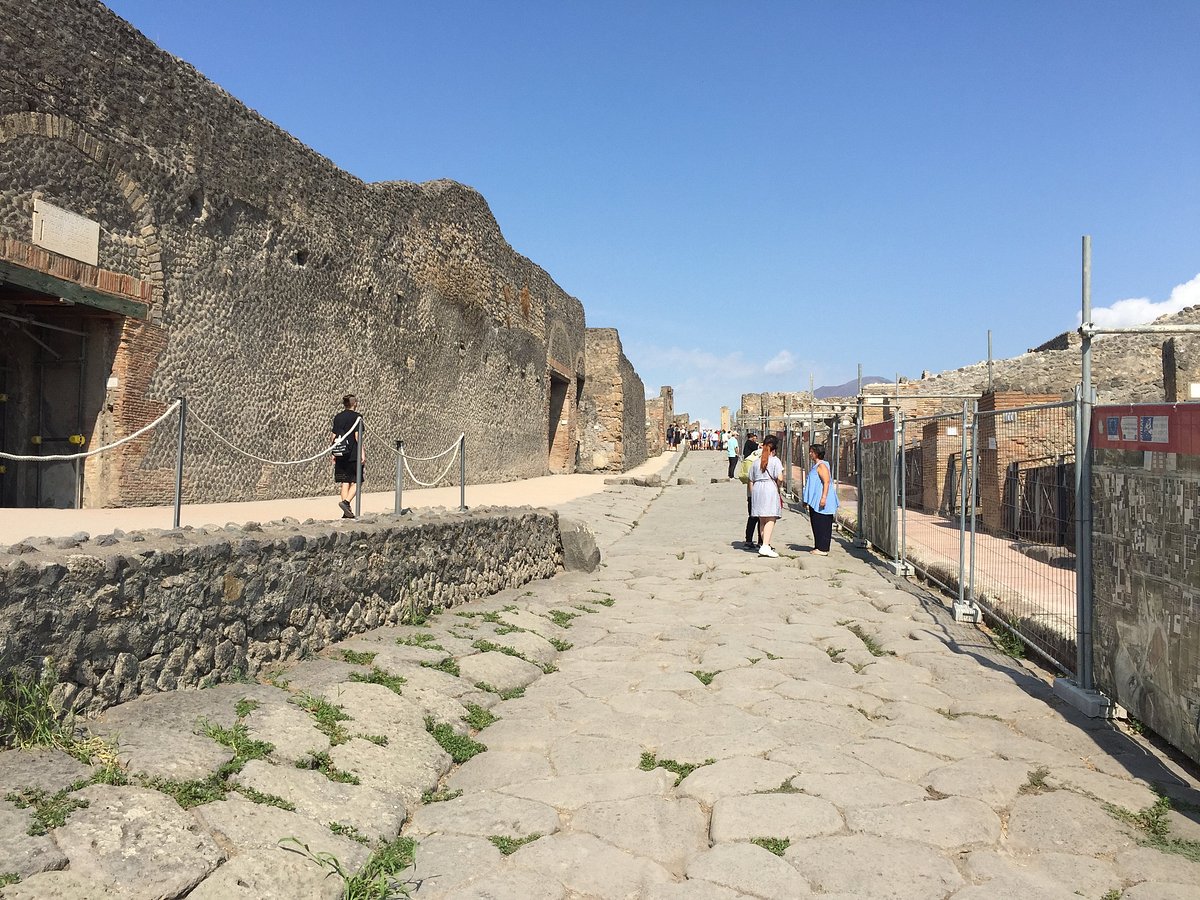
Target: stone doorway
{"points": [[559, 421]]}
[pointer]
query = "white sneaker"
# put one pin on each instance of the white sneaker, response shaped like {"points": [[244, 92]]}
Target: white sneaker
{"points": [[765, 550]]}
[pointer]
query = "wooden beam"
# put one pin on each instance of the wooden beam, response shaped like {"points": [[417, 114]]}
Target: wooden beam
{"points": [[70, 290]]}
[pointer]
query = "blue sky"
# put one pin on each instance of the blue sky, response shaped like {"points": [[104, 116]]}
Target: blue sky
{"points": [[753, 191]]}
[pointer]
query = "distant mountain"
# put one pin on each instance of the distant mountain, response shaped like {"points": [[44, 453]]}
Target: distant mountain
{"points": [[849, 389]]}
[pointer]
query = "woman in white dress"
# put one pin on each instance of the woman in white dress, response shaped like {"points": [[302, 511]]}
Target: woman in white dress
{"points": [[766, 492]]}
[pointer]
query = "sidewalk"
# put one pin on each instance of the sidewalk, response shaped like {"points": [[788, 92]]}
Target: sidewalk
{"points": [[550, 490]]}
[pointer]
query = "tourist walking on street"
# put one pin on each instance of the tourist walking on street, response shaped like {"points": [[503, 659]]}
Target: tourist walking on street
{"points": [[749, 449], [731, 448], [766, 492], [347, 453], [820, 493]]}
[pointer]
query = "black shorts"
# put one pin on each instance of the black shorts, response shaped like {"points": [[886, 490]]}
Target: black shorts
{"points": [[345, 471]]}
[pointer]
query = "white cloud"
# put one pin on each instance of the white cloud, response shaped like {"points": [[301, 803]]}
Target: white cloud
{"points": [[780, 364], [1140, 310]]}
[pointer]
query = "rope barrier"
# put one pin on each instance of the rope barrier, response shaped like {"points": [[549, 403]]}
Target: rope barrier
{"points": [[96, 450], [436, 481], [275, 462], [449, 449]]}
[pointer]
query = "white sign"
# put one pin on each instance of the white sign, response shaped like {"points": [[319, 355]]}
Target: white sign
{"points": [[952, 431], [1194, 391], [1129, 428], [65, 232]]}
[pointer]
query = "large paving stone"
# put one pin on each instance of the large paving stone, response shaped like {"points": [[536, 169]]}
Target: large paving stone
{"points": [[1065, 821], [1090, 876], [534, 648], [499, 670], [40, 768], [244, 826], [569, 793], [670, 832], [447, 862], [1132, 795], [895, 760], [1147, 864], [749, 869], [867, 866], [588, 866], [497, 768], [850, 791], [693, 889], [1158, 890], [67, 885], [508, 884], [950, 824], [585, 755], [994, 781], [791, 816], [139, 839], [484, 814], [729, 777], [411, 763], [375, 709], [25, 854], [374, 813], [265, 875], [288, 728]]}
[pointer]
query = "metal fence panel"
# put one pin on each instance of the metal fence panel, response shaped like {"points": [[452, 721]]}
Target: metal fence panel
{"points": [[877, 513]]}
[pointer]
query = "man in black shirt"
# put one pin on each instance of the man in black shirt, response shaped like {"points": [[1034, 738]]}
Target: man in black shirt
{"points": [[752, 522], [347, 453]]}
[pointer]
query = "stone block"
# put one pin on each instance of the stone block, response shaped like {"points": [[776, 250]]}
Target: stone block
{"points": [[580, 553]]}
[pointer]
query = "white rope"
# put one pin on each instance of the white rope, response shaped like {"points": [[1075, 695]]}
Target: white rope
{"points": [[450, 449], [94, 451], [445, 471], [274, 462]]}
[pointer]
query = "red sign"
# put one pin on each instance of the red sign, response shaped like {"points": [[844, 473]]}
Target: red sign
{"points": [[880, 431], [1158, 427]]}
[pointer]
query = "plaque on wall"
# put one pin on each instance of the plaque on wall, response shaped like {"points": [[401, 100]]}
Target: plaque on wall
{"points": [[66, 232]]}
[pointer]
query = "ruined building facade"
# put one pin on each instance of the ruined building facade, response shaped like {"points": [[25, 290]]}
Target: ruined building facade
{"points": [[159, 239]]}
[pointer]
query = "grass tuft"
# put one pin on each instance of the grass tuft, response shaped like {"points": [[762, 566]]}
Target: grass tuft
{"points": [[479, 718], [650, 762], [264, 799], [49, 810], [425, 641], [348, 831], [508, 846], [1156, 828], [377, 879], [561, 617], [775, 845], [440, 796], [323, 763], [510, 694], [869, 641], [459, 746], [359, 657], [560, 645], [378, 676], [447, 665], [705, 678], [1036, 784], [327, 716]]}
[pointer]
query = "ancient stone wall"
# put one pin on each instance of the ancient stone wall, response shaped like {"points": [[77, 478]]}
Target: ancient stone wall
{"points": [[614, 404], [660, 415], [125, 615], [279, 281], [770, 403]]}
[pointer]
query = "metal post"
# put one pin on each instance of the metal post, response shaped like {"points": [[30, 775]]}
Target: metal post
{"points": [[962, 512], [1083, 486], [901, 442], [787, 449], [974, 486], [399, 476], [989, 360], [462, 473], [179, 459], [858, 480], [358, 426]]}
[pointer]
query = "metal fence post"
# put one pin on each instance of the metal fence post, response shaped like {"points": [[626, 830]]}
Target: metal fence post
{"points": [[399, 476], [901, 440], [462, 473], [973, 608], [787, 449], [962, 515], [362, 448], [179, 460]]}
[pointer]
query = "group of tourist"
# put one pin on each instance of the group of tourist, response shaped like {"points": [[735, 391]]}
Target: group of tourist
{"points": [[697, 438]]}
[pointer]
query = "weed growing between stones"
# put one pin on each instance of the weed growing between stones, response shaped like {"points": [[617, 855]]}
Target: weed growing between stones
{"points": [[459, 746], [239, 741], [196, 792], [30, 718], [583, 607], [560, 645], [1006, 640], [754, 660], [785, 788], [771, 655], [378, 676], [1037, 781], [605, 601], [9, 878], [510, 694], [835, 653], [379, 740], [1156, 828], [679, 555], [561, 617], [866, 715], [49, 810], [440, 796], [348, 831], [376, 880], [1114, 894], [650, 762], [244, 707], [869, 641], [323, 763], [479, 718], [326, 715], [509, 629], [775, 845], [484, 646], [508, 846], [705, 678], [447, 665], [427, 641], [274, 677], [359, 657], [265, 799]]}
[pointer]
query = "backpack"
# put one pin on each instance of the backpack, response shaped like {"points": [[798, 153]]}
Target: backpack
{"points": [[743, 471]]}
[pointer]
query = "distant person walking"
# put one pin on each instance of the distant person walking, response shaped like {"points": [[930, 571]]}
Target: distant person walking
{"points": [[766, 492], [752, 524], [731, 449], [347, 453], [820, 493]]}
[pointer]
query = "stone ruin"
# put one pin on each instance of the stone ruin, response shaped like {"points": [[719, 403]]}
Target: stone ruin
{"points": [[182, 244]]}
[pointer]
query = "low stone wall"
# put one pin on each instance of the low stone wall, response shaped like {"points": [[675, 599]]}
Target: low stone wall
{"points": [[124, 615]]}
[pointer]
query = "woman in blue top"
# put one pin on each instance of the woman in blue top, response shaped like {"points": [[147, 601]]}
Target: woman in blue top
{"points": [[766, 492], [820, 493]]}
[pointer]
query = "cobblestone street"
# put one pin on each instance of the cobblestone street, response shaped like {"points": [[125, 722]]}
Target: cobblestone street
{"points": [[689, 721]]}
